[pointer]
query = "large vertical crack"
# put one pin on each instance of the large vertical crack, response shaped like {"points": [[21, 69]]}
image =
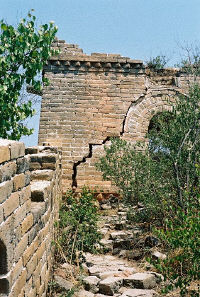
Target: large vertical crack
{"points": [[84, 159], [133, 103]]}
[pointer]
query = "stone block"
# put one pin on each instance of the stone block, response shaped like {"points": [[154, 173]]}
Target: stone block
{"points": [[21, 247], [7, 171], [6, 189], [17, 149], [42, 175], [10, 204], [16, 271], [18, 181], [25, 194], [27, 178], [29, 251], [26, 224], [91, 283], [110, 285], [32, 150], [4, 150], [40, 191], [40, 251], [140, 280], [34, 166], [31, 265], [51, 166], [19, 284], [37, 209], [1, 214], [23, 164]]}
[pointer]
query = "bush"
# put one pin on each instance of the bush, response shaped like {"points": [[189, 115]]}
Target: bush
{"points": [[158, 175], [181, 239], [78, 225], [157, 63], [139, 178]]}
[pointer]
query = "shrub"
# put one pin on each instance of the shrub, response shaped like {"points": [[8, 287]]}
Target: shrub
{"points": [[78, 225], [181, 239], [157, 63], [158, 175]]}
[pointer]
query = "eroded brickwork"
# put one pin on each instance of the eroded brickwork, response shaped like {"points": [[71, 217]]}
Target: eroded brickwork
{"points": [[91, 98], [30, 191]]}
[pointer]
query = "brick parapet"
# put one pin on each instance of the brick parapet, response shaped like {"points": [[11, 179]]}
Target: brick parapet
{"points": [[26, 226]]}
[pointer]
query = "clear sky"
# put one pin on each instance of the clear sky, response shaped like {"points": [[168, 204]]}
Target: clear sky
{"points": [[139, 29]]}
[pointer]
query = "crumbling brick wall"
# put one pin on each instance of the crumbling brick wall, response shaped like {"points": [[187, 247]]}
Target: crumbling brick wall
{"points": [[30, 191], [92, 98]]}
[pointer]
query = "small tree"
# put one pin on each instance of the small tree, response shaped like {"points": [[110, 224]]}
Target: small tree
{"points": [[23, 53]]}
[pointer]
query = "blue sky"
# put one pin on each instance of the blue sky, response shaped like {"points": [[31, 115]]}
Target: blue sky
{"points": [[139, 29]]}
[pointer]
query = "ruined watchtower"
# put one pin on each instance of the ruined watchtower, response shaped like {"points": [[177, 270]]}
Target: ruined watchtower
{"points": [[93, 97]]}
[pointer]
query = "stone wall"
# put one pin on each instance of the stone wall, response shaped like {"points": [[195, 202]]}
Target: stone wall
{"points": [[91, 98], [30, 191]]}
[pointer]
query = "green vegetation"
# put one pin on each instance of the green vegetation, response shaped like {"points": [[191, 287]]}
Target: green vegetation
{"points": [[157, 63], [23, 53], [163, 176], [78, 226]]}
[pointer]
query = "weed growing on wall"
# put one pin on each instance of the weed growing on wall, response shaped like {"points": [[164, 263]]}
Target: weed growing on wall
{"points": [[78, 225]]}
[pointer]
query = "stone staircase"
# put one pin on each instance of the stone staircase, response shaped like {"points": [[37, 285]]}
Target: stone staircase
{"points": [[113, 273]]}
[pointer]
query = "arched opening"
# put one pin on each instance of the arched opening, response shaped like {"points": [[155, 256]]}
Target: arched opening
{"points": [[158, 123], [4, 284], [3, 258]]}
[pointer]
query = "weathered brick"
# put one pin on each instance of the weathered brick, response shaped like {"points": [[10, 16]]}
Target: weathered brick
{"points": [[11, 204], [18, 181], [20, 284], [29, 251], [7, 171], [27, 223], [31, 265], [4, 150], [40, 191], [16, 270], [25, 194], [6, 189], [21, 247], [17, 149], [40, 251], [23, 164]]}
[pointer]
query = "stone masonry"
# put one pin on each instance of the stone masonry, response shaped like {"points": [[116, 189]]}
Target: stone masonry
{"points": [[92, 98], [30, 191]]}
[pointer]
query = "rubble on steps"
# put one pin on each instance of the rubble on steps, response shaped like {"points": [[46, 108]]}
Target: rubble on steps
{"points": [[116, 272]]}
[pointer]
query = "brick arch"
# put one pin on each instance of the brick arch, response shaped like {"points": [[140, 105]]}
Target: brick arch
{"points": [[140, 114]]}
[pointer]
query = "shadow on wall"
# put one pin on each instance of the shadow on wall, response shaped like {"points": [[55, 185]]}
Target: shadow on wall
{"points": [[4, 285]]}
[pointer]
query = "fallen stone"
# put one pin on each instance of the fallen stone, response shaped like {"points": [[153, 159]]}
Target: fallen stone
{"points": [[120, 235], [134, 254], [140, 280], [63, 283], [156, 255], [110, 285], [91, 283]]}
